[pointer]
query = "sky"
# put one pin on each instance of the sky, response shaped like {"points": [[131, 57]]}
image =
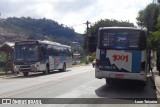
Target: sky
{"points": [[74, 13]]}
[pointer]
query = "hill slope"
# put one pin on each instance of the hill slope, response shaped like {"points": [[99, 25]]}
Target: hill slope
{"points": [[14, 29]]}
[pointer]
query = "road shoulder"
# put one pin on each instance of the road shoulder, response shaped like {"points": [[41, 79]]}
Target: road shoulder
{"points": [[156, 79]]}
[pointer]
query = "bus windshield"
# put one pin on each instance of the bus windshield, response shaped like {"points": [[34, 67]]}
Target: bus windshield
{"points": [[26, 53], [122, 39]]}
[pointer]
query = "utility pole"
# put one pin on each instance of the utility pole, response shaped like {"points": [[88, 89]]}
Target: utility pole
{"points": [[87, 38]]}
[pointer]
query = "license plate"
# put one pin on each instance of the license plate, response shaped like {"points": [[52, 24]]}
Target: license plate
{"points": [[119, 75]]}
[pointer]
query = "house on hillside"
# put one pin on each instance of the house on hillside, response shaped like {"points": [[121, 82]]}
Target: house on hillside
{"points": [[8, 48]]}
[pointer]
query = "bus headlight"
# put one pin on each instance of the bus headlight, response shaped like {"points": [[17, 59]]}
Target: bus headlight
{"points": [[34, 67]]}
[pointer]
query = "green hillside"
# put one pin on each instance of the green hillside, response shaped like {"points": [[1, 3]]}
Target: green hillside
{"points": [[13, 28]]}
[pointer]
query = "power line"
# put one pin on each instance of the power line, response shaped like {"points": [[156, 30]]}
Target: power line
{"points": [[81, 24], [78, 24]]}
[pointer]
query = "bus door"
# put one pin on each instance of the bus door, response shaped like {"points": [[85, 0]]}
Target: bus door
{"points": [[57, 62], [51, 62]]}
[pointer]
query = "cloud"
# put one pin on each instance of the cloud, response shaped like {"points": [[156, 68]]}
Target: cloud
{"points": [[72, 12], [73, 5]]}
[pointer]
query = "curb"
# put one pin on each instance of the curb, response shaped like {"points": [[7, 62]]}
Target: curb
{"points": [[156, 80], [80, 65], [6, 76], [158, 90], [157, 84]]}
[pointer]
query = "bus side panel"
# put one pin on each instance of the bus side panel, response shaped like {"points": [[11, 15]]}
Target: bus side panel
{"points": [[57, 62], [51, 63], [136, 62], [42, 64], [68, 62], [42, 67]]}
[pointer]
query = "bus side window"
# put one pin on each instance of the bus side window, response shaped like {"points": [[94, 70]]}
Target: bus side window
{"points": [[55, 51], [61, 52], [43, 50], [64, 52], [50, 51], [69, 53]]}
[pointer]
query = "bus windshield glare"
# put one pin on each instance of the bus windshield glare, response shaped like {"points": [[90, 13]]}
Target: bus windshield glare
{"points": [[121, 39]]}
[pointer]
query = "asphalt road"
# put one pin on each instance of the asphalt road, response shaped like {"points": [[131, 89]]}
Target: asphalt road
{"points": [[77, 82]]}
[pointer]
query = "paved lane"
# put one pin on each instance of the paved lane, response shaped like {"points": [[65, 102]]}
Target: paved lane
{"points": [[77, 82], [20, 84]]}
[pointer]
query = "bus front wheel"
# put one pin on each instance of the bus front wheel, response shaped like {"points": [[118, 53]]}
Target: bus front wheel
{"points": [[25, 73], [46, 70]]}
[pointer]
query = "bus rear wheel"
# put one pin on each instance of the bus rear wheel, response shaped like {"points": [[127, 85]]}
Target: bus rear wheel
{"points": [[64, 68], [143, 83], [109, 81], [25, 73]]}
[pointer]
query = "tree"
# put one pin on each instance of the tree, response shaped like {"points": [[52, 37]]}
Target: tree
{"points": [[148, 17], [158, 23], [92, 40], [109, 23], [154, 41], [39, 29], [140, 19]]}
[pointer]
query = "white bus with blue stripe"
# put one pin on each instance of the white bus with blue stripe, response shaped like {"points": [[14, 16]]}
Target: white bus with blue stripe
{"points": [[122, 54], [43, 56]]}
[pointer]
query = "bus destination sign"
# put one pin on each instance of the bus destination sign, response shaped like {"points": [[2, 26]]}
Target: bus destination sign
{"points": [[27, 43]]}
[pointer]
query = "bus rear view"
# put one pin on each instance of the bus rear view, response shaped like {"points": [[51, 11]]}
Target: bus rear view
{"points": [[121, 54]]}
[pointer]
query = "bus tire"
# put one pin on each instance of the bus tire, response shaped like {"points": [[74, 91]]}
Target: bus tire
{"points": [[64, 68], [46, 70], [25, 73], [109, 81], [143, 83]]}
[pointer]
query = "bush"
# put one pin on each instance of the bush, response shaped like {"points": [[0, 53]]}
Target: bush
{"points": [[2, 64], [154, 41], [91, 57], [83, 60], [2, 71], [3, 57]]}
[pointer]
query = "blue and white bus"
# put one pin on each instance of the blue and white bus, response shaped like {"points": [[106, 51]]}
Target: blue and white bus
{"points": [[35, 56], [122, 54]]}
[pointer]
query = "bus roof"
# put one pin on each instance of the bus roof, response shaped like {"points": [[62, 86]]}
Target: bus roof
{"points": [[132, 28], [47, 42], [53, 43]]}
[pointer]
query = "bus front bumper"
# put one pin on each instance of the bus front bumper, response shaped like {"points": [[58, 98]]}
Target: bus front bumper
{"points": [[26, 68]]}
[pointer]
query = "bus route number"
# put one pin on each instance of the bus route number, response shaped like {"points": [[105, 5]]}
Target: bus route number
{"points": [[120, 57]]}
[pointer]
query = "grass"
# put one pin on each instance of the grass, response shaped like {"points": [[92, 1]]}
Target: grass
{"points": [[3, 57]]}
